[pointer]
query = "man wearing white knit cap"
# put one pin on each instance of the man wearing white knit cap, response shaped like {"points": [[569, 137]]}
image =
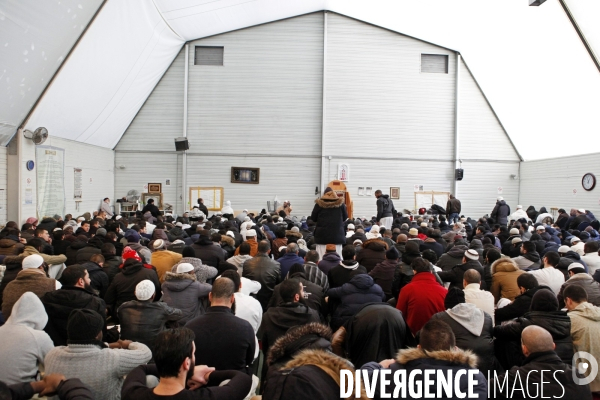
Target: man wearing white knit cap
{"points": [[350, 231], [456, 275], [142, 319]]}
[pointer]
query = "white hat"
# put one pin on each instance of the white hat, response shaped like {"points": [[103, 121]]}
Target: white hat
{"points": [[178, 241], [158, 244], [424, 224], [540, 228], [357, 241], [186, 226], [32, 261], [514, 231], [575, 239], [57, 229], [245, 210], [582, 210], [230, 234], [500, 198], [118, 217], [144, 290], [375, 228], [295, 229], [564, 249], [516, 240], [575, 265], [184, 267], [179, 224], [246, 219], [519, 207], [80, 219], [472, 254], [281, 248], [250, 232], [351, 227]]}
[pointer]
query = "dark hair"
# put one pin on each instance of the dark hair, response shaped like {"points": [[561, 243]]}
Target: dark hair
{"points": [[39, 231], [215, 237], [150, 201], [72, 274], [348, 252], [527, 281], [56, 235], [312, 256], [234, 276], [552, 258], [529, 246], [106, 198], [280, 233], [85, 223], [436, 335], [493, 255], [264, 246], [35, 242], [97, 258], [26, 226], [171, 349], [223, 288], [245, 248], [288, 289], [591, 247], [576, 293], [109, 248], [110, 236], [430, 256], [420, 265], [577, 270], [188, 251]]}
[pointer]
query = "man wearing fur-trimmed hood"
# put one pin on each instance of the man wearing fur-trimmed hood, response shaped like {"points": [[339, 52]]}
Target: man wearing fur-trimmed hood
{"points": [[436, 351], [329, 214]]}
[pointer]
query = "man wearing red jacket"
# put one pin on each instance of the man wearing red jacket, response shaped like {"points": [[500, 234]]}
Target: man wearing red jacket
{"points": [[422, 297]]}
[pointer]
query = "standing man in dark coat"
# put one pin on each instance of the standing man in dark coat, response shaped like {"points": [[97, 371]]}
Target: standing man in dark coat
{"points": [[501, 212], [152, 208], [329, 214], [453, 209], [202, 207], [385, 209]]}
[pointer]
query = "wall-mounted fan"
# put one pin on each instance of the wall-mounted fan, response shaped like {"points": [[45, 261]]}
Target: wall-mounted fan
{"points": [[38, 136], [133, 196]]}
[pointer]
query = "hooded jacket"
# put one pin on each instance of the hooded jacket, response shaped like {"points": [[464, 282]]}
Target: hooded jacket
{"points": [[122, 288], [585, 323], [456, 274], [209, 253], [584, 280], [10, 247], [343, 272], [329, 260], [519, 307], [329, 213], [501, 212], [372, 253], [473, 330], [72, 251], [360, 290], [420, 299], [203, 272], [24, 344], [383, 275], [309, 336], [93, 246], [504, 279], [453, 257], [29, 280], [13, 267], [385, 207], [184, 292]]}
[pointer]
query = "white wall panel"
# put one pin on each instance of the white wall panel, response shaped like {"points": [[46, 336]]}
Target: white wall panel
{"points": [[3, 185], [481, 136], [378, 102], [268, 94], [557, 183]]}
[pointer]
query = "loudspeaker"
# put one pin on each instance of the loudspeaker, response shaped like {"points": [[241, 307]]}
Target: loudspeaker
{"points": [[181, 144], [458, 174]]}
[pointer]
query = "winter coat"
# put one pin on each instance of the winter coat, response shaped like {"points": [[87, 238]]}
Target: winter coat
{"points": [[72, 251], [385, 207], [343, 272], [420, 299], [566, 260], [585, 324], [98, 277], [24, 344], [447, 361], [13, 267], [163, 261], [329, 215], [455, 275], [504, 279], [592, 288], [519, 307], [432, 244], [453, 206], [29, 280], [383, 275], [111, 266], [203, 272], [360, 290], [547, 363], [314, 294], [122, 288], [184, 292], [48, 224], [10, 247], [287, 260], [142, 321], [473, 330], [93, 246], [452, 258], [557, 323], [510, 250], [253, 247], [209, 253], [372, 253], [329, 261], [59, 304], [530, 261], [501, 212], [265, 271]]}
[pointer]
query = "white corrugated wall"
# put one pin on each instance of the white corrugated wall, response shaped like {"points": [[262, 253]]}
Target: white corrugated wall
{"points": [[3, 185], [556, 183]]}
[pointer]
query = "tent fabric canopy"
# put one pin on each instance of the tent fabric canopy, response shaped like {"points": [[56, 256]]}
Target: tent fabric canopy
{"points": [[131, 43]]}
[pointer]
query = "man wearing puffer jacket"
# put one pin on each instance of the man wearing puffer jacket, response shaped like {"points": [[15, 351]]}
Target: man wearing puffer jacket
{"points": [[181, 290]]}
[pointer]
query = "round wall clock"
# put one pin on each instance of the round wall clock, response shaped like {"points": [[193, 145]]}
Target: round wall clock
{"points": [[588, 181], [30, 164]]}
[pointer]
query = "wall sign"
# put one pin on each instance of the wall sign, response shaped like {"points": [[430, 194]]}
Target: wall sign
{"points": [[343, 172], [50, 181], [78, 183]]}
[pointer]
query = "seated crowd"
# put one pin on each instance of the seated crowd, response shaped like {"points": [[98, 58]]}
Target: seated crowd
{"points": [[240, 306]]}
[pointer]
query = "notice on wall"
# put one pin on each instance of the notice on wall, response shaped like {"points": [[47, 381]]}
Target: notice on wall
{"points": [[78, 184], [28, 197], [212, 197], [50, 181]]}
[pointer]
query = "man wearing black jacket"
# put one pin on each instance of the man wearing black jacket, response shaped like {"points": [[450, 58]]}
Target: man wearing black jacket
{"points": [[385, 210], [528, 285]]}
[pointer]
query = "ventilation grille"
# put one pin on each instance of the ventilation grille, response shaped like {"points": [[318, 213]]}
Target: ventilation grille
{"points": [[208, 55], [434, 63]]}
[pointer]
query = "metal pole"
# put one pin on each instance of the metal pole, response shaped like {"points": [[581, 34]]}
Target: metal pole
{"points": [[324, 111], [185, 120], [456, 126]]}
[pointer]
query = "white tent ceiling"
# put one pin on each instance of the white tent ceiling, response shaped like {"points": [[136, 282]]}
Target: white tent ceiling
{"points": [[528, 60]]}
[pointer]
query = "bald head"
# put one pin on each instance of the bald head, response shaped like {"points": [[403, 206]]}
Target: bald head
{"points": [[472, 276], [402, 238], [292, 248], [535, 339]]}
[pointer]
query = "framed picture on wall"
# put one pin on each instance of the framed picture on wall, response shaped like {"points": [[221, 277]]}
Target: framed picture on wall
{"points": [[157, 197], [155, 188], [395, 193], [245, 175]]}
